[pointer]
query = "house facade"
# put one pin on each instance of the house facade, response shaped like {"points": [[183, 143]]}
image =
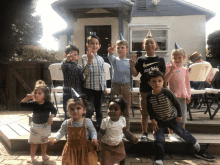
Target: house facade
{"points": [[170, 21]]}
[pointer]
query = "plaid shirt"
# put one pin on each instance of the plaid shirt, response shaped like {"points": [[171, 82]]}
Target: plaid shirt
{"points": [[96, 77], [73, 75]]}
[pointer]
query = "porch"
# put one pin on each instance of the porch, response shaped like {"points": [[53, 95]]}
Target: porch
{"points": [[14, 131]]}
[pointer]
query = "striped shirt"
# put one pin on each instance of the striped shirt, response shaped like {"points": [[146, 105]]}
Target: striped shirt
{"points": [[73, 75], [161, 107], [96, 77]]}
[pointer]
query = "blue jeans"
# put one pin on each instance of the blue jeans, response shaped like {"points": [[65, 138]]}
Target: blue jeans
{"points": [[66, 96], [95, 98], [159, 139]]}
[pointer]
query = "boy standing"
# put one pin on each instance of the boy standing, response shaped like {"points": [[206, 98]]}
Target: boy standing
{"points": [[122, 80], [160, 102], [144, 65], [73, 73], [95, 83]]}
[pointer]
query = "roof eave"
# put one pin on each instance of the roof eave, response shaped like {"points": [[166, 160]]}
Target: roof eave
{"points": [[209, 14], [62, 32]]}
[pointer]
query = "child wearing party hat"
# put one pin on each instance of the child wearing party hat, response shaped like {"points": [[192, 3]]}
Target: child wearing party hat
{"points": [[177, 77], [144, 65]]}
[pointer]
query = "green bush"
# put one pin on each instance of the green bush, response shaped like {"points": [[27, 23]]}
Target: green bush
{"points": [[214, 45], [36, 53]]}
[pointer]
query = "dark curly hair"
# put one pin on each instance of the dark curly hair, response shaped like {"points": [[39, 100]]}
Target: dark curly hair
{"points": [[69, 48], [91, 37], [155, 73], [120, 101]]}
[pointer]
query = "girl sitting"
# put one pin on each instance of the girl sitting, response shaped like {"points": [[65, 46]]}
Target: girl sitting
{"points": [[40, 127], [78, 150], [111, 133]]}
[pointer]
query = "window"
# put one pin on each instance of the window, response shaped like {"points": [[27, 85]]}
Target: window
{"points": [[138, 32]]}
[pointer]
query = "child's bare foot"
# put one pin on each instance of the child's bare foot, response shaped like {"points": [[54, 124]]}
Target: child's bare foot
{"points": [[31, 160], [45, 158]]}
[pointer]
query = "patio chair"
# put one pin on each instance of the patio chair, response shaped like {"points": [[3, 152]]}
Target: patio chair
{"points": [[216, 93], [199, 72], [107, 77], [210, 91], [56, 75], [135, 91]]}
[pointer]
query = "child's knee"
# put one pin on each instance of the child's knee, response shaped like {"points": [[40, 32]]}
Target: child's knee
{"points": [[34, 145], [145, 115]]}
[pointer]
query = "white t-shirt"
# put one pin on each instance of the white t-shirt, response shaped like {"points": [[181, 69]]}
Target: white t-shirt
{"points": [[113, 130]]}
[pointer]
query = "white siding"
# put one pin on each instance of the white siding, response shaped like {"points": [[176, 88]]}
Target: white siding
{"points": [[188, 31], [61, 46]]}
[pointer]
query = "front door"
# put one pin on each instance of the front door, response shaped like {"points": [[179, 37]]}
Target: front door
{"points": [[104, 33]]}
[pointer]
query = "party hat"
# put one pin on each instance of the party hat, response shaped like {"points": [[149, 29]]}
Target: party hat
{"points": [[75, 95], [176, 46], [121, 37], [149, 34]]}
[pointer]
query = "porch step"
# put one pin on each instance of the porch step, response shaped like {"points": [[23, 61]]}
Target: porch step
{"points": [[16, 137], [196, 126]]}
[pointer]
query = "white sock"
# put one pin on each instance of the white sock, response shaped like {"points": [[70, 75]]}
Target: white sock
{"points": [[197, 146]]}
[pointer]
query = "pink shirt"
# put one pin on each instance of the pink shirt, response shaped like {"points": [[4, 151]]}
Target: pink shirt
{"points": [[179, 81]]}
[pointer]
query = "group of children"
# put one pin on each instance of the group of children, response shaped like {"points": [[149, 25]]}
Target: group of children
{"points": [[89, 82]]}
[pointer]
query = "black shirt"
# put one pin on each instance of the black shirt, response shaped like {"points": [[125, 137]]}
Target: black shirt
{"points": [[143, 65], [41, 112]]}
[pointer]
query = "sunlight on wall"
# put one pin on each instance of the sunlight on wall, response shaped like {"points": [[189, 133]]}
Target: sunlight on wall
{"points": [[52, 23]]}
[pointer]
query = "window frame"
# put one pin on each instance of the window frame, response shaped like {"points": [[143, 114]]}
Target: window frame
{"points": [[147, 27]]}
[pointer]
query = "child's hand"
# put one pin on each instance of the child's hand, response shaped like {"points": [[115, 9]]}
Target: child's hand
{"points": [[30, 97], [105, 92], [173, 67], [90, 55], [27, 98], [188, 100], [52, 140], [178, 119], [50, 121], [95, 142], [111, 48], [135, 139], [99, 147], [69, 58], [133, 60], [154, 125]]}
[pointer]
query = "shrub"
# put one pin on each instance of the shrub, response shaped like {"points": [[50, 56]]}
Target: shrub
{"points": [[35, 53], [214, 45]]}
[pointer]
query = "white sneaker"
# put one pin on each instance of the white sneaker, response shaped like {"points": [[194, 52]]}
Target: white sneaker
{"points": [[173, 138], [159, 162]]}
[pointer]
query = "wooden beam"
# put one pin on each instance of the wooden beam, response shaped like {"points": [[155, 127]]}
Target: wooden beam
{"points": [[17, 75]]}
